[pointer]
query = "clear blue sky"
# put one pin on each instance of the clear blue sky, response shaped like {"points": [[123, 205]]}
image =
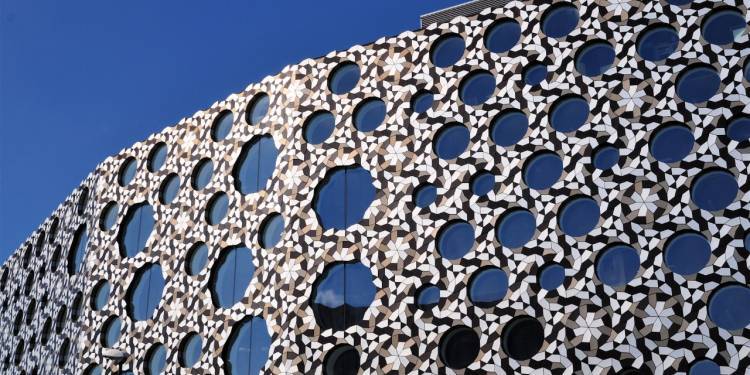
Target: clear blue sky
{"points": [[80, 80]]}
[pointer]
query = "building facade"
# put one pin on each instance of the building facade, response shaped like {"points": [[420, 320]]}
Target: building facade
{"points": [[537, 188]]}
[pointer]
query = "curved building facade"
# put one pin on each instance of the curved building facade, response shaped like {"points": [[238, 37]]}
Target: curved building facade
{"points": [[535, 188]]}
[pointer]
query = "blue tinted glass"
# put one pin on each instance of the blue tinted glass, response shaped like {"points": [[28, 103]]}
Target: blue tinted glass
{"points": [[542, 170], [146, 291], [197, 258], [728, 307], [687, 253], [369, 115], [679, 2], [617, 265], [422, 101], [477, 87], [109, 216], [95, 370], [657, 42], [78, 250], [343, 197], [111, 332], [127, 171], [425, 195], [157, 359], [249, 347], [191, 350], [606, 157], [342, 360], [595, 58], [202, 173], [747, 70], [569, 113], [271, 230], [342, 296], [509, 127], [723, 26], [258, 109], [455, 239], [671, 143], [482, 183], [158, 157], [560, 20], [256, 164], [534, 74], [704, 367], [551, 276], [451, 141], [747, 242], [502, 35], [344, 78], [488, 287], [714, 190], [447, 50], [578, 216], [738, 129], [232, 276], [319, 127], [169, 188], [101, 295], [698, 83], [136, 229], [222, 125], [217, 208], [515, 228], [428, 297]]}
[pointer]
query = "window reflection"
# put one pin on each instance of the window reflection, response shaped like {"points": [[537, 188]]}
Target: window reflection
{"points": [[136, 229], [342, 295], [77, 250], [343, 197], [256, 164], [145, 292], [231, 276], [248, 347]]}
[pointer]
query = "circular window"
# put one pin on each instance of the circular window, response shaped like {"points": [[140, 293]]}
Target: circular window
{"points": [[704, 367], [29, 284], [342, 360], [502, 35], [451, 141], [488, 287], [482, 183], [136, 229], [62, 317], [369, 114], [30, 311], [427, 297], [560, 20], [217, 208], [605, 157], [569, 113], [727, 306], [447, 50], [190, 350], [83, 198], [714, 190], [342, 295], [156, 359], [318, 127], [145, 292], [62, 358], [108, 217], [157, 157], [747, 242], [459, 347], [55, 259], [509, 127], [255, 165], [202, 173], [343, 197], [257, 108], [247, 350], [271, 230], [53, 230], [40, 243], [542, 170], [746, 70], [100, 295], [551, 276], [723, 26], [686, 253], [231, 276], [46, 331], [425, 194], [77, 250], [169, 188], [19, 353], [344, 78], [27, 256], [657, 42], [698, 83], [595, 58], [127, 171], [617, 265], [578, 215], [111, 331], [197, 258], [455, 239], [671, 143], [222, 125], [534, 74], [738, 129], [422, 101], [679, 2], [93, 370], [522, 337], [516, 228], [477, 87], [17, 323]]}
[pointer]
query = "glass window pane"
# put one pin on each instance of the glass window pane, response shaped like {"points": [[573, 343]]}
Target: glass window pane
{"points": [[136, 229], [271, 230], [459, 347], [217, 209], [447, 50], [232, 277], [202, 173], [560, 20], [369, 114], [477, 87], [127, 171], [157, 157], [156, 359], [657, 42], [569, 113], [451, 141], [578, 215], [145, 292], [542, 170], [77, 250], [595, 58], [197, 258], [344, 78], [671, 143], [169, 188], [522, 337], [502, 35], [318, 127], [516, 228], [190, 350], [222, 125], [355, 185], [714, 189], [256, 164], [724, 25], [342, 295], [248, 348], [617, 265], [698, 83], [455, 239], [257, 109], [488, 287]]}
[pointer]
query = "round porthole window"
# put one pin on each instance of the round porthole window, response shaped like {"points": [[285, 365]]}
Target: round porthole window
{"points": [[522, 337], [559, 20], [257, 108], [222, 125], [578, 215], [459, 347], [451, 141], [318, 127], [502, 35], [344, 78], [477, 87], [455, 239], [447, 50], [657, 42], [342, 360]]}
